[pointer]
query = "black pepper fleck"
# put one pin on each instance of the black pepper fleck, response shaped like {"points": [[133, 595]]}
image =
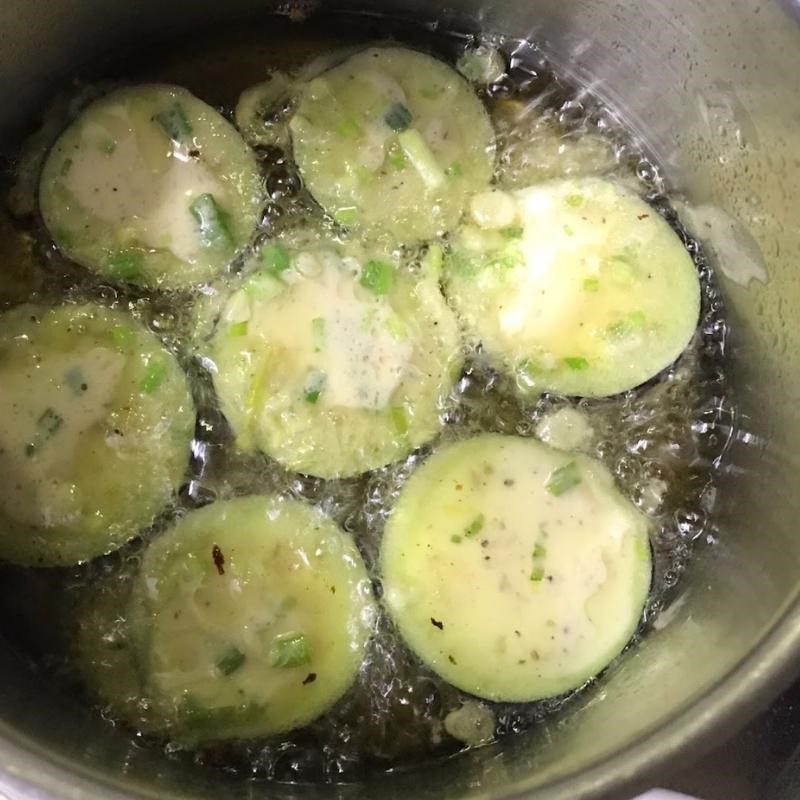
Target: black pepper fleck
{"points": [[219, 559], [437, 624], [310, 678]]}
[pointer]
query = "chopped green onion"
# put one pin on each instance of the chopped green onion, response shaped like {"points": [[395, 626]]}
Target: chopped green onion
{"points": [[455, 170], [153, 377], [537, 574], [398, 117], [512, 232], [433, 260], [290, 650], [174, 123], [396, 326], [348, 128], [399, 417], [396, 157], [49, 423], [628, 255], [66, 166], [125, 264], [421, 157], [574, 200], [121, 336], [232, 661], [569, 230], [475, 527], [264, 284], [275, 258], [591, 284], [539, 551], [287, 604], [563, 479], [576, 362], [315, 382], [211, 221], [238, 329], [635, 321], [346, 216], [456, 539], [108, 146], [377, 277]]}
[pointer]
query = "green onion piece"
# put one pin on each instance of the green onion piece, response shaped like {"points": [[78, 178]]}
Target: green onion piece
{"points": [[456, 539], [421, 157], [568, 230], [275, 258], [591, 284], [398, 117], [153, 377], [574, 200], [290, 650], [263, 284], [211, 221], [475, 527], [537, 574], [396, 326], [125, 265], [628, 255], [346, 216], [121, 336], [66, 166], [433, 260], [174, 123], [396, 157], [635, 321], [512, 232], [563, 479], [49, 423], [287, 604], [238, 329], [314, 384], [399, 417], [576, 362], [232, 661], [377, 277], [348, 128], [539, 551], [455, 170], [108, 146]]}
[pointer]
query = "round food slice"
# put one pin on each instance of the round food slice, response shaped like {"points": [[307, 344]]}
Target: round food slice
{"points": [[335, 360], [515, 571], [250, 617], [393, 141], [97, 418], [151, 186], [577, 287]]}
